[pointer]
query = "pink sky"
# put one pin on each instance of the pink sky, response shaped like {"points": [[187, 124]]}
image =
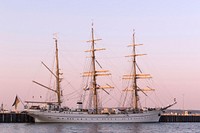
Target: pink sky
{"points": [[169, 31]]}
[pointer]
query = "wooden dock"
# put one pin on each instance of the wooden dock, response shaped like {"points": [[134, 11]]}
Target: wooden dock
{"points": [[15, 118], [180, 118]]}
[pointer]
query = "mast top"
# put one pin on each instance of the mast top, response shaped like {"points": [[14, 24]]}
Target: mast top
{"points": [[93, 39], [55, 36], [92, 24], [133, 31]]}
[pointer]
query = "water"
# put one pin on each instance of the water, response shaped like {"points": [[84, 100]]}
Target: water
{"points": [[101, 128]]}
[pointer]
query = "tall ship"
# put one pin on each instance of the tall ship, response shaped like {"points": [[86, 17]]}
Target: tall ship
{"points": [[95, 112]]}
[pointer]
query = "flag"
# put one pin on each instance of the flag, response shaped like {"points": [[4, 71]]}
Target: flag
{"points": [[1, 109], [16, 102]]}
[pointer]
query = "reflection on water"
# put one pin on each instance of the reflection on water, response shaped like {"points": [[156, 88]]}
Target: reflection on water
{"points": [[99, 127]]}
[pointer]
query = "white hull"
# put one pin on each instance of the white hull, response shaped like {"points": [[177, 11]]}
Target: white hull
{"points": [[71, 117]]}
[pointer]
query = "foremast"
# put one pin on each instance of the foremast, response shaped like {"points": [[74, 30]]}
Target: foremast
{"points": [[134, 76], [94, 73]]}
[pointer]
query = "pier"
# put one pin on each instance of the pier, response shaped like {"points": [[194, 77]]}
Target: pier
{"points": [[15, 118], [180, 118]]}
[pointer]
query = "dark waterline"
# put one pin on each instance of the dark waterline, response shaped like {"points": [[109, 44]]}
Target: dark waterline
{"points": [[100, 128]]}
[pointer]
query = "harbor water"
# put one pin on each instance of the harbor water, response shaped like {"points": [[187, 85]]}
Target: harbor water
{"points": [[100, 128]]}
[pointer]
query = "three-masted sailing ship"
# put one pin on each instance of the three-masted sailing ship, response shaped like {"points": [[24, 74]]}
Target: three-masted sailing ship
{"points": [[54, 112]]}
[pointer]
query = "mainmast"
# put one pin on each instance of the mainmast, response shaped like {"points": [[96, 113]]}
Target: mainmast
{"points": [[94, 73], [58, 91]]}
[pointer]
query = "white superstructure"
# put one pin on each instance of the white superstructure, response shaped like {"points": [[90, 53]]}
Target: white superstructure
{"points": [[67, 116]]}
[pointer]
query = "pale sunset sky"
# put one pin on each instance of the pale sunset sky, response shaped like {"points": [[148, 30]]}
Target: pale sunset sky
{"points": [[169, 30]]}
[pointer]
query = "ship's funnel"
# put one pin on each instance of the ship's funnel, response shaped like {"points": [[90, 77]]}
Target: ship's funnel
{"points": [[79, 106]]}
